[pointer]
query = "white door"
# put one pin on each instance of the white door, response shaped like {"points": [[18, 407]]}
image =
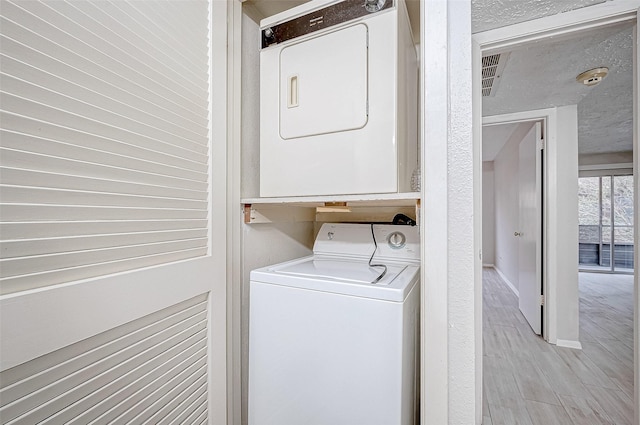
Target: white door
{"points": [[529, 233], [146, 344]]}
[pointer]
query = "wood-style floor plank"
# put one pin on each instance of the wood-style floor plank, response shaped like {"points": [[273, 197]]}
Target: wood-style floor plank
{"points": [[510, 415], [532, 382], [545, 414], [586, 411], [615, 403], [528, 381], [584, 368]]}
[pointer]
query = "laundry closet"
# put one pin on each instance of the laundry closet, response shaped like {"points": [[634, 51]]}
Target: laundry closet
{"points": [[366, 171]]}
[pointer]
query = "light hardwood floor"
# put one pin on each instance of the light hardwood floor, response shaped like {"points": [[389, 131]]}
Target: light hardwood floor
{"points": [[528, 381]]}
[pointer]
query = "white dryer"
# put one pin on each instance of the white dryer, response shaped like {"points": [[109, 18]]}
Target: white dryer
{"points": [[338, 99], [332, 343]]}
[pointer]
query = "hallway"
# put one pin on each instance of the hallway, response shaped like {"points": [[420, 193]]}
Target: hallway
{"points": [[527, 381]]}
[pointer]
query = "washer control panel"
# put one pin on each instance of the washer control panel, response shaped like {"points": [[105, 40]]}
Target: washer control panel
{"points": [[394, 242]]}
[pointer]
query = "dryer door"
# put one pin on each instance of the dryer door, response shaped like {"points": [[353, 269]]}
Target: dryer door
{"points": [[323, 84]]}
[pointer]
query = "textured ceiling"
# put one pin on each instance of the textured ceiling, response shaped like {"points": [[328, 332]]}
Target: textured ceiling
{"points": [[485, 14], [490, 14], [543, 75]]}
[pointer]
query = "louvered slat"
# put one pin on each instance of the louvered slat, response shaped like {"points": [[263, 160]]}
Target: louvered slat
{"points": [[28, 178], [42, 112], [95, 53], [37, 77], [31, 230], [44, 373], [145, 173], [43, 263], [35, 212], [120, 41], [191, 402], [71, 394], [135, 370], [25, 94], [55, 276], [169, 32], [198, 416], [114, 397], [142, 43], [142, 396], [182, 403], [180, 385], [24, 195], [104, 138], [31, 247], [50, 397], [75, 67], [31, 135], [171, 314]]}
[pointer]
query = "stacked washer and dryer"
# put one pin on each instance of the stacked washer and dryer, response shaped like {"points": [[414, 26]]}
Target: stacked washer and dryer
{"points": [[333, 337]]}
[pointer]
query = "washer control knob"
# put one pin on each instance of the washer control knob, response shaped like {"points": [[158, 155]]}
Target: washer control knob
{"points": [[396, 240], [374, 5], [268, 33]]}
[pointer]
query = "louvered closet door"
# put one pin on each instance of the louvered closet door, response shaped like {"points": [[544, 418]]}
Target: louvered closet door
{"points": [[112, 289]]}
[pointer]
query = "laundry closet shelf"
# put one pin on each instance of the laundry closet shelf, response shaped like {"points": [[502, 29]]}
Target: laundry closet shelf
{"points": [[377, 199], [353, 208]]}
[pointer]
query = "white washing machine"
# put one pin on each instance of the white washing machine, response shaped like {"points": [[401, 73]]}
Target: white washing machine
{"points": [[338, 99], [331, 341]]}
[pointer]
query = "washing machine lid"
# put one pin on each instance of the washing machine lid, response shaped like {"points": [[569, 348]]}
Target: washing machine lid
{"points": [[342, 276]]}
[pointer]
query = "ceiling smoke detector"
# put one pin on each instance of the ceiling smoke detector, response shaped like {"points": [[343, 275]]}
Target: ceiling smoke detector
{"points": [[592, 76]]}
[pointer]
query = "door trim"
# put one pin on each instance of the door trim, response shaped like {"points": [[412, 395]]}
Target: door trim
{"points": [[556, 26], [548, 119]]}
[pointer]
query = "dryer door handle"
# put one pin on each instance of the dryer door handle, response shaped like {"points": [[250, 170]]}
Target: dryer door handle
{"points": [[292, 98]]}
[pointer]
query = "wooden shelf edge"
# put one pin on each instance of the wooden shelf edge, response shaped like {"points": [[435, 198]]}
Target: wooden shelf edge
{"points": [[382, 199]]}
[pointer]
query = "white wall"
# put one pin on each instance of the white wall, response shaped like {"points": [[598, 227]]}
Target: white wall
{"points": [[615, 159], [449, 246], [507, 208], [488, 214], [250, 154], [562, 224], [262, 244]]}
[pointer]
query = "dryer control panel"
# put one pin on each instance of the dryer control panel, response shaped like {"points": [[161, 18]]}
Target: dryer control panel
{"points": [[326, 17]]}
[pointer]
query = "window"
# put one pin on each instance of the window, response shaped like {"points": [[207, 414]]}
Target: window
{"points": [[606, 223]]}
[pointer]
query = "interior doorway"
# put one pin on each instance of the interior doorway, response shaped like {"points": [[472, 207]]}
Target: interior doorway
{"points": [[570, 25], [513, 210]]}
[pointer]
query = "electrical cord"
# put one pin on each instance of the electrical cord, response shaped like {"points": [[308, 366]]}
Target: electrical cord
{"points": [[384, 271]]}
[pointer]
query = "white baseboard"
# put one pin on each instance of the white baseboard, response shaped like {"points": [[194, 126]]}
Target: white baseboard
{"points": [[569, 343], [489, 265], [509, 284]]}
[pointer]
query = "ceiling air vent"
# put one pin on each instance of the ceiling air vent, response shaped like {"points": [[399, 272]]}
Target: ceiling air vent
{"points": [[492, 67]]}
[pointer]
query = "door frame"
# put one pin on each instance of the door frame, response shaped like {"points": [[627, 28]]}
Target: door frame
{"points": [[548, 118], [558, 26]]}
